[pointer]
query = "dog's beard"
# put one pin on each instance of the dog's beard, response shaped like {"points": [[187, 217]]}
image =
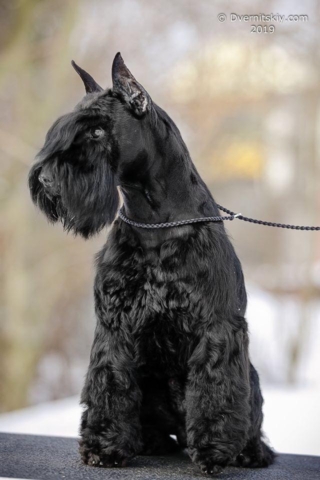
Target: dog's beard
{"points": [[84, 210]]}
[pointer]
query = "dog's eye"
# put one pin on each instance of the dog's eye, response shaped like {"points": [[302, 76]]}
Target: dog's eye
{"points": [[97, 133]]}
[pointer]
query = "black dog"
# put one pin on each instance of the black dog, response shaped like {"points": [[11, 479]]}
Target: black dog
{"points": [[170, 351]]}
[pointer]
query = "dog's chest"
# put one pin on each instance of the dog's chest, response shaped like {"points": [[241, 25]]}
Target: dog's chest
{"points": [[161, 307], [164, 316], [154, 305]]}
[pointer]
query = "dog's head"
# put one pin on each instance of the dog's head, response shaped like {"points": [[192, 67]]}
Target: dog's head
{"points": [[108, 140]]}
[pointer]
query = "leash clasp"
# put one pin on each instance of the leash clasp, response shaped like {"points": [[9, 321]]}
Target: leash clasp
{"points": [[237, 215]]}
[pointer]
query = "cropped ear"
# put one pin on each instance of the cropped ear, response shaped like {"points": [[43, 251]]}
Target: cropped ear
{"points": [[128, 88], [90, 84]]}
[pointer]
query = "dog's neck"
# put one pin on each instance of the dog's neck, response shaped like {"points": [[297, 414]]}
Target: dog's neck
{"points": [[166, 196]]}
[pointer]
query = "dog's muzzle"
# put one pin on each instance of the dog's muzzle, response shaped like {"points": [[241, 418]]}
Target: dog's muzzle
{"points": [[48, 183]]}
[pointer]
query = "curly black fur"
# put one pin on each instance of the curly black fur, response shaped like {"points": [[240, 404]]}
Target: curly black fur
{"points": [[170, 350]]}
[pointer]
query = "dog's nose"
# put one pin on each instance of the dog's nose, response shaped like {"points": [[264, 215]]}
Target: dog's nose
{"points": [[45, 180]]}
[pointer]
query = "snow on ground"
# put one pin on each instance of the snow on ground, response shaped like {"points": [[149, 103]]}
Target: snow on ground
{"points": [[292, 420], [58, 418]]}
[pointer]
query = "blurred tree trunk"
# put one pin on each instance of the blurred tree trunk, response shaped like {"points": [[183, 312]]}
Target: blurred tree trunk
{"points": [[22, 332], [309, 159]]}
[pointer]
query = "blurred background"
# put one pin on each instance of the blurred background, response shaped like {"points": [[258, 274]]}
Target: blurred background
{"points": [[247, 104]]}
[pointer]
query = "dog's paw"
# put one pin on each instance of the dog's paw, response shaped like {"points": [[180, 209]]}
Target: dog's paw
{"points": [[102, 460], [209, 468], [256, 455], [206, 459], [103, 455]]}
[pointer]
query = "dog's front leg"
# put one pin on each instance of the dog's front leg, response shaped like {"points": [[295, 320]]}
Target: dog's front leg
{"points": [[110, 427], [217, 396]]}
